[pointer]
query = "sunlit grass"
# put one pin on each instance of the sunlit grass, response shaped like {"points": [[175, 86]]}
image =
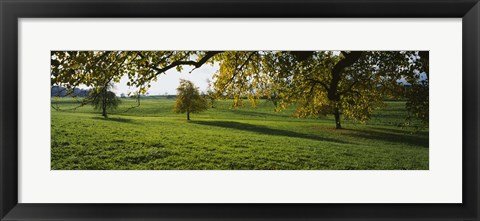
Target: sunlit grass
{"points": [[152, 137]]}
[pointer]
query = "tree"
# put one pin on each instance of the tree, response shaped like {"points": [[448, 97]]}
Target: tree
{"points": [[348, 83], [103, 99], [96, 69], [418, 92], [189, 99]]}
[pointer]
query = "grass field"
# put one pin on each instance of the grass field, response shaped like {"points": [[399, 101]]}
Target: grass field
{"points": [[152, 137]]}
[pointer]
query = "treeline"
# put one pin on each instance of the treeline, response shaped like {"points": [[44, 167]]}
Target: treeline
{"points": [[58, 91]]}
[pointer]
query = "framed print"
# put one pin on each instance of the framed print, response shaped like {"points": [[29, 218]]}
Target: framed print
{"points": [[165, 110]]}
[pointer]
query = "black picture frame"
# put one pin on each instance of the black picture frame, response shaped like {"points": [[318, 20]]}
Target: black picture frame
{"points": [[11, 10]]}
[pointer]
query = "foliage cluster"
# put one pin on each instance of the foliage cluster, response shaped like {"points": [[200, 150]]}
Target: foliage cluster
{"points": [[189, 99], [103, 99]]}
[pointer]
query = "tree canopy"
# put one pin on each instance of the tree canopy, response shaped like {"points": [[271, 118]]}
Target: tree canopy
{"points": [[71, 69], [189, 99], [348, 83], [101, 98]]}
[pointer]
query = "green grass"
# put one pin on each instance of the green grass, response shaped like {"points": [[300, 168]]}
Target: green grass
{"points": [[152, 137]]}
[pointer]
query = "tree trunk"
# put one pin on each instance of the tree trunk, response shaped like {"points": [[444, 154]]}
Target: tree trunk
{"points": [[104, 112], [333, 93], [337, 119], [188, 115], [104, 103]]}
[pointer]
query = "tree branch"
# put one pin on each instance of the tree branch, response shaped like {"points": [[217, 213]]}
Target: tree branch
{"points": [[196, 64], [350, 59]]}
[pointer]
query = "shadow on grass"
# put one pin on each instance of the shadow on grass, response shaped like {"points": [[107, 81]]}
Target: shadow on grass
{"points": [[120, 120], [258, 114], [396, 137], [265, 130], [408, 131]]}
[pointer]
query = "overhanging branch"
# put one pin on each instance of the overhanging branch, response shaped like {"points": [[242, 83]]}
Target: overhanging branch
{"points": [[196, 64]]}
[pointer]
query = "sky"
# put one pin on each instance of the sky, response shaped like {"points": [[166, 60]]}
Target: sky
{"points": [[168, 82]]}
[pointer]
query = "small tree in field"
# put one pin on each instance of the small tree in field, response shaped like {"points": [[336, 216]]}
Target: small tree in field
{"points": [[103, 99], [189, 99]]}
